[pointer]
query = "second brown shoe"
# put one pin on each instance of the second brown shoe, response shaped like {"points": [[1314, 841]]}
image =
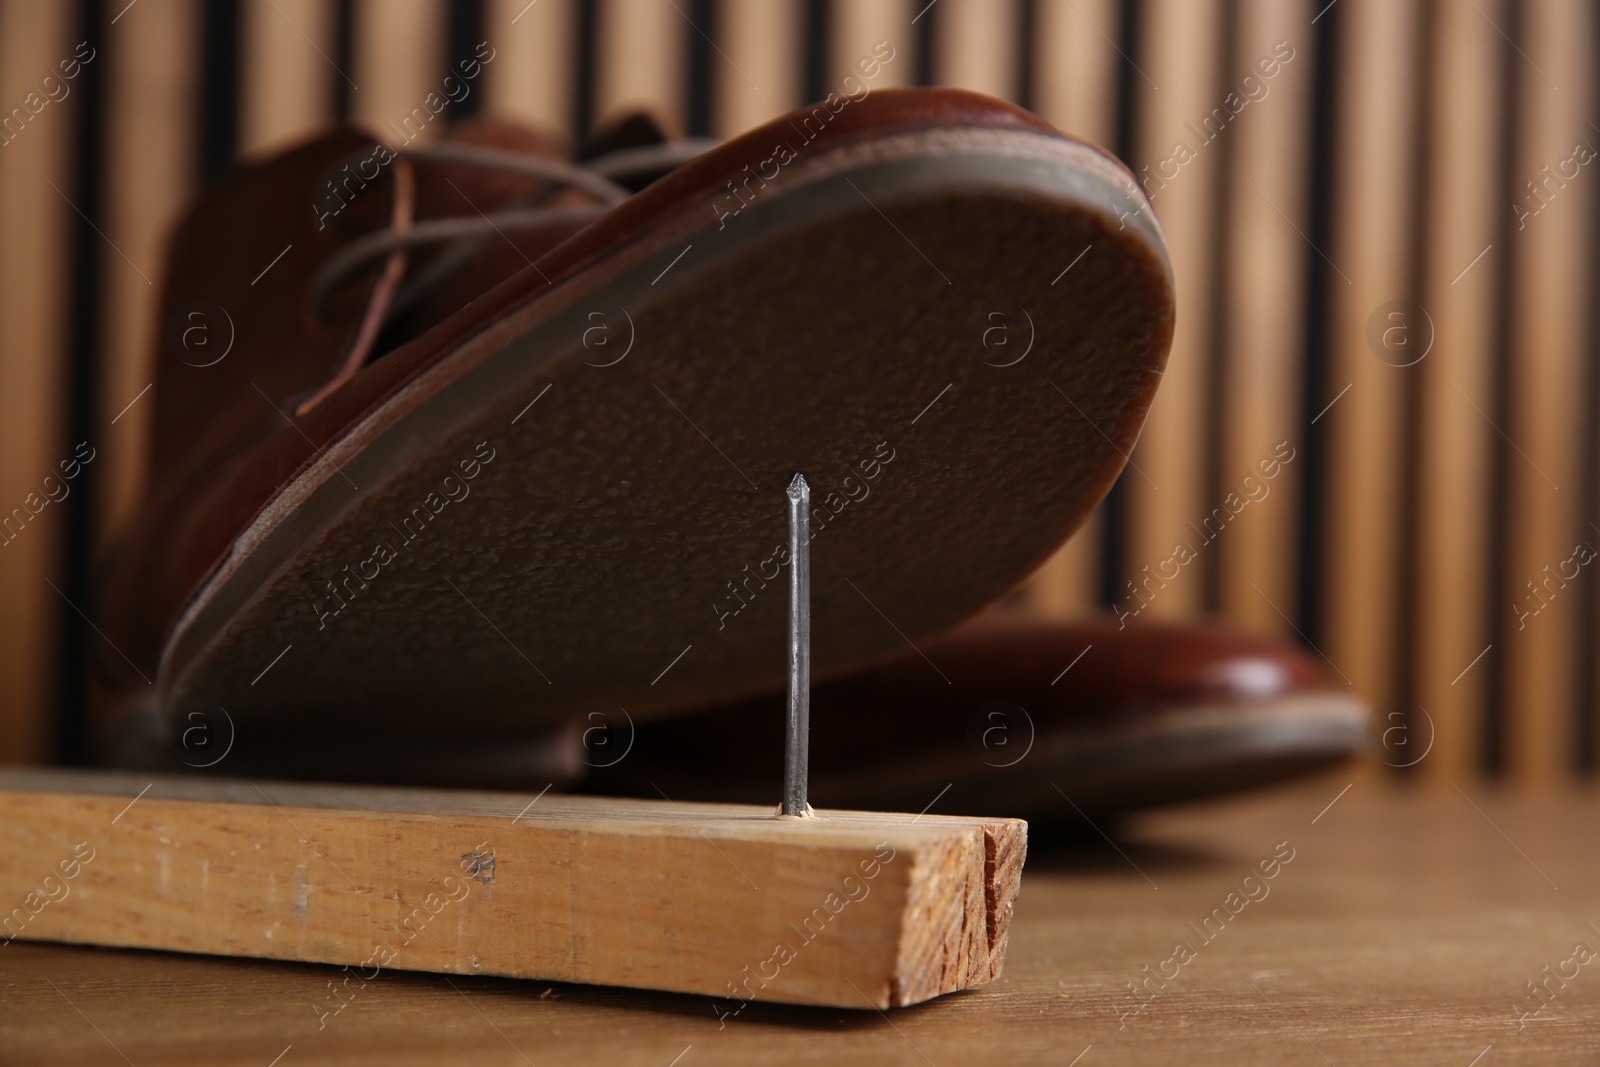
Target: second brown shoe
{"points": [[1011, 715]]}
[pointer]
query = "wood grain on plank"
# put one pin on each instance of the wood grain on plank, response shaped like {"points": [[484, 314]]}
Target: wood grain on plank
{"points": [[849, 909]]}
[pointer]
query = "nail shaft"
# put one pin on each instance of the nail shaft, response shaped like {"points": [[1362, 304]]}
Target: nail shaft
{"points": [[796, 755]]}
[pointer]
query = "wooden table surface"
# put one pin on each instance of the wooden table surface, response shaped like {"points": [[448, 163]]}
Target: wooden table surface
{"points": [[1405, 928]]}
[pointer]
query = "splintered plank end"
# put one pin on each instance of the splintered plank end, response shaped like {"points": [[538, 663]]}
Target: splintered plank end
{"points": [[849, 909]]}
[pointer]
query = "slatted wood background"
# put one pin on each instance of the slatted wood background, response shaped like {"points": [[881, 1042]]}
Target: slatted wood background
{"points": [[1421, 535]]}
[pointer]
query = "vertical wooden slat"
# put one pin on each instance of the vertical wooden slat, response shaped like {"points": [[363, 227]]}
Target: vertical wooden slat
{"points": [[399, 60], [1164, 482], [1263, 290], [34, 39], [533, 73], [756, 76], [860, 24], [288, 51], [1067, 583], [1376, 145], [642, 48], [1455, 447], [1075, 88], [1551, 289], [150, 161], [1076, 67], [1586, 732], [977, 46]]}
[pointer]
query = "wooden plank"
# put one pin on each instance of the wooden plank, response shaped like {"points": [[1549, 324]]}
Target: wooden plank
{"points": [[1458, 293], [1355, 950], [1264, 293], [288, 55], [34, 40], [848, 909], [534, 70], [1551, 289], [757, 75], [641, 60]]}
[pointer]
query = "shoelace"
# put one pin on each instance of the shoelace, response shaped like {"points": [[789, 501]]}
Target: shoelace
{"points": [[466, 235], [598, 177]]}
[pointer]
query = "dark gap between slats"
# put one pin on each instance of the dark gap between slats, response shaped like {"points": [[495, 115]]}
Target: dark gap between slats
{"points": [[1219, 374], [927, 40], [1494, 752], [466, 32], [344, 50], [697, 93], [1114, 508], [1316, 388], [1027, 34], [585, 46], [1587, 670], [83, 333], [1414, 381], [219, 89], [818, 41]]}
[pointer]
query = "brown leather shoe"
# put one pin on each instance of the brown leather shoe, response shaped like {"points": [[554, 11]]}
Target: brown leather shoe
{"points": [[1052, 721], [491, 440]]}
